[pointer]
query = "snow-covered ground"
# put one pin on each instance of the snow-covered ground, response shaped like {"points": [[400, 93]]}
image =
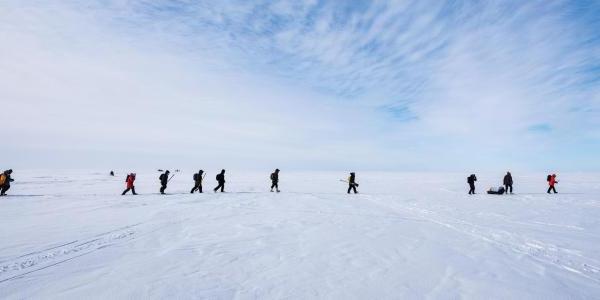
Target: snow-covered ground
{"points": [[69, 234]]}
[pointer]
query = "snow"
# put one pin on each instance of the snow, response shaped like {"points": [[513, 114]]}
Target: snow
{"points": [[70, 235]]}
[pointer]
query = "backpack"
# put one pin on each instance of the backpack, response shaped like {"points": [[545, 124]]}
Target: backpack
{"points": [[126, 178], [2, 179], [195, 177], [161, 177], [549, 177], [272, 176]]}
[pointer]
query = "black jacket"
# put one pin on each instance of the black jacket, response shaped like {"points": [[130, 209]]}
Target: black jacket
{"points": [[471, 179], [275, 177], [508, 179], [352, 179], [221, 178], [164, 178]]}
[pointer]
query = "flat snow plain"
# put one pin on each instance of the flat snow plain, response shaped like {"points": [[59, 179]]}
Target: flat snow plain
{"points": [[71, 235]]}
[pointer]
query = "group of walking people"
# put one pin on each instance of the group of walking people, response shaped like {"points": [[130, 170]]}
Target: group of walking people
{"points": [[508, 184], [198, 178]]}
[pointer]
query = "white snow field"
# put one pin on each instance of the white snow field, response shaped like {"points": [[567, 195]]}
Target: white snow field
{"points": [[71, 235]]}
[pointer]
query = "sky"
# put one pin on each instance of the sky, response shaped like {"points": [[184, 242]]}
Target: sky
{"points": [[301, 85]]}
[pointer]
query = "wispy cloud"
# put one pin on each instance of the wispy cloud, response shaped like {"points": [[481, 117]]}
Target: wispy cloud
{"points": [[321, 84]]}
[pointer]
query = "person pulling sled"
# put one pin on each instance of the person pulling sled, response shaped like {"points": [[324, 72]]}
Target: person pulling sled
{"points": [[129, 184], [508, 182]]}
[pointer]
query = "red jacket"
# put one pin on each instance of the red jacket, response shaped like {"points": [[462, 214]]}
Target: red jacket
{"points": [[552, 181], [130, 180]]}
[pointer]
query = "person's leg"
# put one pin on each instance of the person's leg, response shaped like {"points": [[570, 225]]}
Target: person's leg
{"points": [[200, 188], [272, 185], [162, 189], [549, 189], [354, 188], [133, 190], [125, 191], [277, 186], [510, 186], [554, 189], [349, 188], [194, 189], [5, 188], [222, 187]]}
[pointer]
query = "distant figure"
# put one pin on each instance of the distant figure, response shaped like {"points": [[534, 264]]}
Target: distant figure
{"points": [[5, 180], [129, 180], [471, 180], [275, 180], [112, 173], [197, 182], [164, 179], [508, 182], [352, 183], [221, 180], [551, 182]]}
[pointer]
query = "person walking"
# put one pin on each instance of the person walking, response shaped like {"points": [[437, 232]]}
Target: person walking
{"points": [[352, 183], [197, 182], [5, 180], [164, 179], [275, 180], [221, 181], [471, 180], [508, 183], [552, 182], [129, 180]]}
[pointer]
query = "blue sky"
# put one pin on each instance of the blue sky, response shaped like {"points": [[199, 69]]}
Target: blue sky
{"points": [[363, 85]]}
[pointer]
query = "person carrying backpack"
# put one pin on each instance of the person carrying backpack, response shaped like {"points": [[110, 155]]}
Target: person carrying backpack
{"points": [[275, 180], [221, 180], [551, 182], [197, 182], [129, 180], [5, 180], [352, 183], [164, 179], [471, 181], [508, 182]]}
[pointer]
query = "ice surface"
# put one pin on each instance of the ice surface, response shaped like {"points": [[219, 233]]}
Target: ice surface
{"points": [[69, 234]]}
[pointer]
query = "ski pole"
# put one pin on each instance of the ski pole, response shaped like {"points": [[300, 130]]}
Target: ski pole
{"points": [[171, 177]]}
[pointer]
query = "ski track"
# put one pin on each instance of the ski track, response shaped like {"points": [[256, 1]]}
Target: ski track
{"points": [[546, 253], [52, 256]]}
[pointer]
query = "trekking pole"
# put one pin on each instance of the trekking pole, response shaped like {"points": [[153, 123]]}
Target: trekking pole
{"points": [[172, 175], [342, 180]]}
